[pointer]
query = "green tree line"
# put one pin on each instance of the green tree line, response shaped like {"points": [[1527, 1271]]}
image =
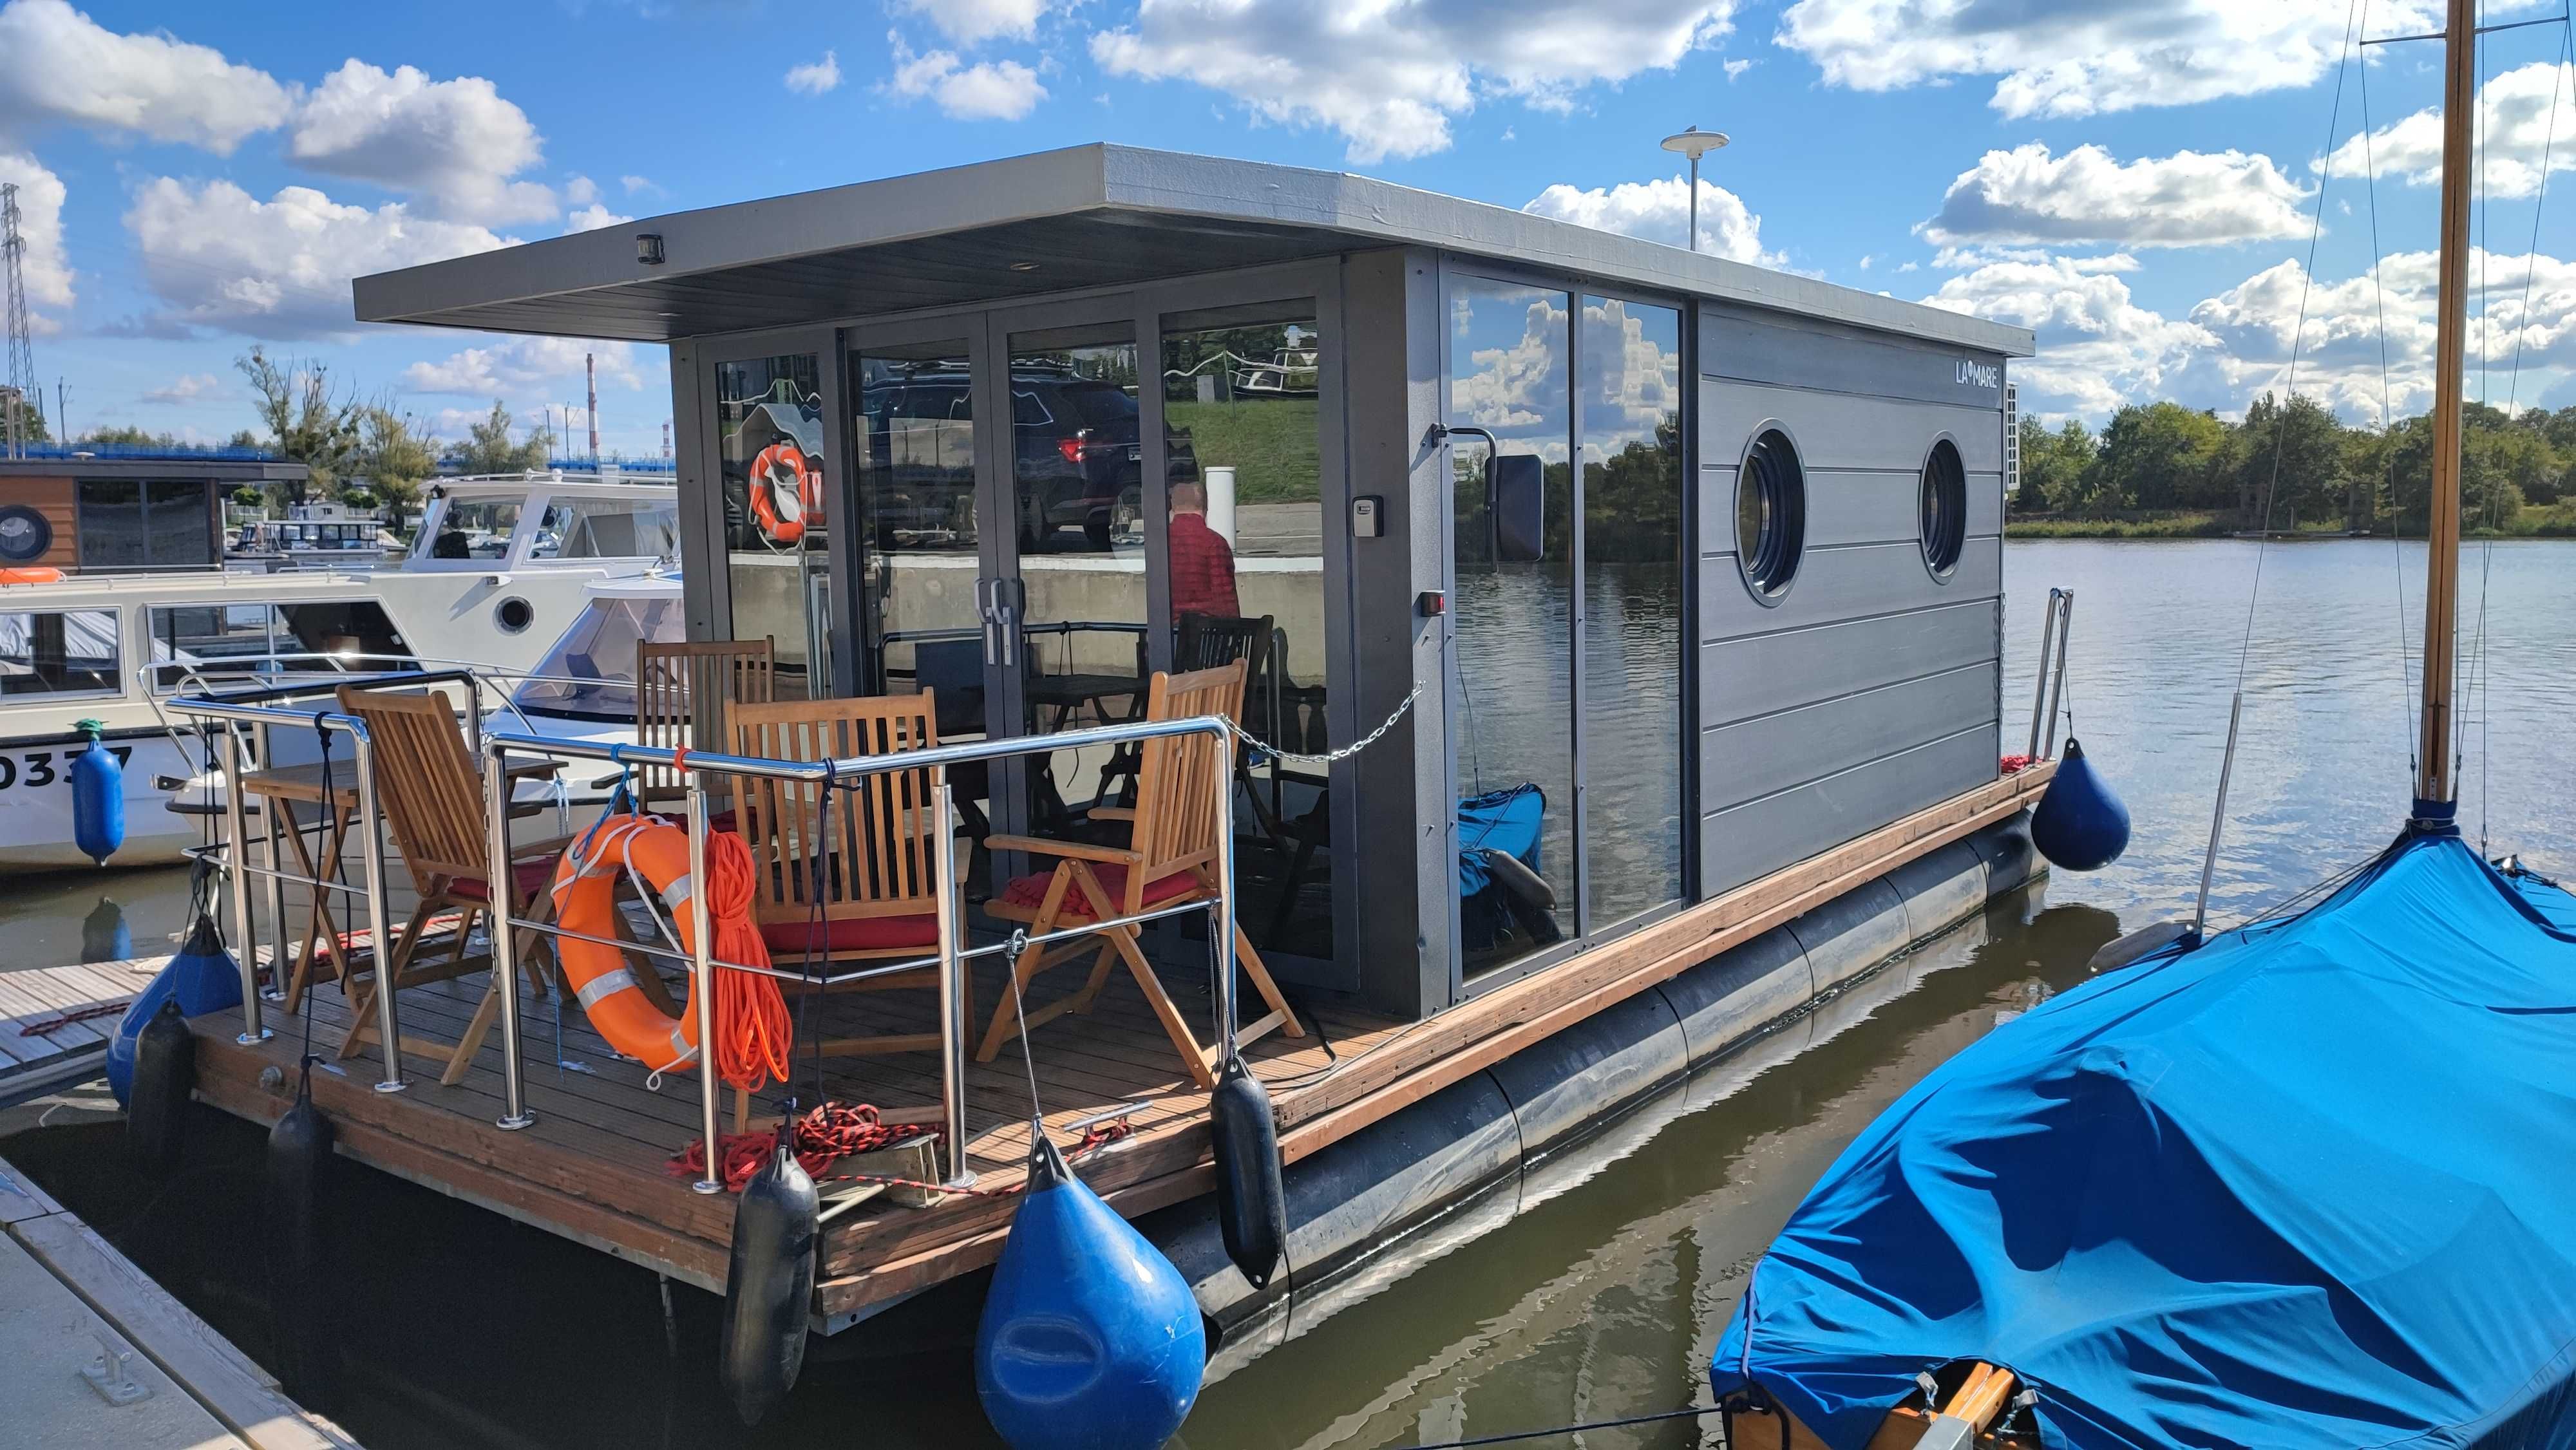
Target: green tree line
{"points": [[2292, 464]]}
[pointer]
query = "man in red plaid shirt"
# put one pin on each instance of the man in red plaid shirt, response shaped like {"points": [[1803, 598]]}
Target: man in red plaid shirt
{"points": [[1202, 561]]}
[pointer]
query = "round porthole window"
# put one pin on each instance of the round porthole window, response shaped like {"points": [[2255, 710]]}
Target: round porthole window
{"points": [[24, 534], [514, 614], [1945, 509], [1770, 515]]}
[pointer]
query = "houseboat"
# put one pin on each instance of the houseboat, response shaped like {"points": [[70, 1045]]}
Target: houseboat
{"points": [[1617, 633]]}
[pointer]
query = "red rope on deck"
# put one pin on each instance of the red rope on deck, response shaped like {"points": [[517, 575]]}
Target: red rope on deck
{"points": [[835, 1131], [78, 1014]]}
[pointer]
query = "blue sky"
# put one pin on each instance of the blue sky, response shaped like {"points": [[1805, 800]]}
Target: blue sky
{"points": [[2135, 179]]}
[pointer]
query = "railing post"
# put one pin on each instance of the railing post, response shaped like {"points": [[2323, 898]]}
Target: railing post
{"points": [[952, 986], [702, 988], [380, 941], [2057, 681], [2039, 677], [236, 860], [273, 825], [1223, 926], [500, 886]]}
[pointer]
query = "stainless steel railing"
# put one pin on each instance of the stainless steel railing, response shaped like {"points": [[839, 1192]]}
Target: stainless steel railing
{"points": [[952, 955], [2057, 622], [263, 710]]}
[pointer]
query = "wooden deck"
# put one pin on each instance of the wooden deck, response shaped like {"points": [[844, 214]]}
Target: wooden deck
{"points": [[47, 1038], [596, 1166]]}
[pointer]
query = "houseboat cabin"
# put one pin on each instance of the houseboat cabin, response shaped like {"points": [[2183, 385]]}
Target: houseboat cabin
{"points": [[1606, 612]]}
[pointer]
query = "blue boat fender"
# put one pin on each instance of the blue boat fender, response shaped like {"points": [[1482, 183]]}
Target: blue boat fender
{"points": [[165, 1073], [299, 1155], [98, 796], [2080, 824], [769, 1282], [1090, 1339], [202, 978], [1251, 1198]]}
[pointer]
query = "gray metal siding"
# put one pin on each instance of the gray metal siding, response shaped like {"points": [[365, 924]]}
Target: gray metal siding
{"points": [[1868, 690]]}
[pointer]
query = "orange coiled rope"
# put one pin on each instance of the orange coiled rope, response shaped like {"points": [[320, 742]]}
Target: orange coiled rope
{"points": [[753, 1034]]}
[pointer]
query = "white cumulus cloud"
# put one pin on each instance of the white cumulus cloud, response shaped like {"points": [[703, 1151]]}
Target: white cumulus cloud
{"points": [[814, 77], [972, 22], [44, 265], [512, 367], [455, 144], [2080, 57], [1659, 211], [2190, 198], [1390, 75], [58, 65], [986, 91], [186, 388], [220, 259], [2514, 130], [2098, 348], [592, 217]]}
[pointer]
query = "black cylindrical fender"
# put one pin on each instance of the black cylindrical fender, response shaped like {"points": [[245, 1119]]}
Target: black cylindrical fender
{"points": [[1251, 1201], [165, 1072], [769, 1284], [299, 1154]]}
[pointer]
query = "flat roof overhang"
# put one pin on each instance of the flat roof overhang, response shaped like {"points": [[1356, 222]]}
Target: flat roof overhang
{"points": [[173, 469], [1086, 217]]}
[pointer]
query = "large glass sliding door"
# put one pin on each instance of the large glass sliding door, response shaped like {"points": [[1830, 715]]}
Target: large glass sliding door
{"points": [[1568, 716], [914, 460]]}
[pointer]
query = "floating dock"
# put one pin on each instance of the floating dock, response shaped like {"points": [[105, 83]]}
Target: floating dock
{"points": [[95, 1356], [55, 1023]]}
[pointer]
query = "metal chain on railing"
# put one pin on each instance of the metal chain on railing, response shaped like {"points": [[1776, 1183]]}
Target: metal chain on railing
{"points": [[1260, 746]]}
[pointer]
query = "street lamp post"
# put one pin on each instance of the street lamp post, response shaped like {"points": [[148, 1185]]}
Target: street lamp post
{"points": [[1694, 143]]}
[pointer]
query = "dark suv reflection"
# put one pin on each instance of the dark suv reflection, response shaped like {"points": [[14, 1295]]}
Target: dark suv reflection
{"points": [[1075, 455]]}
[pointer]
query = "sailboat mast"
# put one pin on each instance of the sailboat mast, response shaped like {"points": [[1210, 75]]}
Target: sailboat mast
{"points": [[2442, 569]]}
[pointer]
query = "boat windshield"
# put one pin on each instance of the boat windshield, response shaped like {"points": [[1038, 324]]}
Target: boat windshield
{"points": [[590, 673], [471, 528]]}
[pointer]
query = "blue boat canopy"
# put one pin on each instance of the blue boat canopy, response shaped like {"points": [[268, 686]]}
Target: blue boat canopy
{"points": [[2313, 1184]]}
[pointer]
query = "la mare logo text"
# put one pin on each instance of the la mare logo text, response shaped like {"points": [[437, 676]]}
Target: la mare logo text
{"points": [[1980, 375]]}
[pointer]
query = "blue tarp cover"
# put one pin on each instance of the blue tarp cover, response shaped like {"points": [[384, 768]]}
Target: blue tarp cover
{"points": [[2313, 1184]]}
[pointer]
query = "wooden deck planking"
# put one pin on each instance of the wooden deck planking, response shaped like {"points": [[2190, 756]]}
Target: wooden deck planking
{"points": [[32, 1063], [596, 1164]]}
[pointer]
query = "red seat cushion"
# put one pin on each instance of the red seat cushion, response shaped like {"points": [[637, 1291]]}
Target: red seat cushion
{"points": [[853, 934], [1030, 891], [528, 874]]}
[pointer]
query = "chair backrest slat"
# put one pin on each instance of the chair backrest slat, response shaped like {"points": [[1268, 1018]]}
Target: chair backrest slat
{"points": [[683, 693], [426, 784], [1176, 812], [880, 849]]}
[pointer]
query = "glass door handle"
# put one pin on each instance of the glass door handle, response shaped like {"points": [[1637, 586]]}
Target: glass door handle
{"points": [[1001, 622]]}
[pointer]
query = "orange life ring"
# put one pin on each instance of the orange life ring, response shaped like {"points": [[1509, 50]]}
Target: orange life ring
{"points": [[38, 575], [752, 1031], [786, 490]]}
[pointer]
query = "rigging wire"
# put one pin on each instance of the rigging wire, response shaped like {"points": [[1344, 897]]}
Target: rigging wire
{"points": [[2388, 434]]}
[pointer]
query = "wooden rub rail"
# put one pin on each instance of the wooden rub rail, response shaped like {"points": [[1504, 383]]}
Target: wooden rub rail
{"points": [[594, 1166]]}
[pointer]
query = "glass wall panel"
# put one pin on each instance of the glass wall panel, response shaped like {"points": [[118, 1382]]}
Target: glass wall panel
{"points": [[1513, 694], [112, 533], [1077, 504], [916, 486], [770, 443], [1629, 380], [1247, 569]]}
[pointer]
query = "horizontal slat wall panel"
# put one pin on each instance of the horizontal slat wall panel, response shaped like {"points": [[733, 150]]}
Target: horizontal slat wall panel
{"points": [[1759, 674], [1812, 353], [1853, 506], [1845, 583], [1750, 840], [1759, 757], [1835, 430]]}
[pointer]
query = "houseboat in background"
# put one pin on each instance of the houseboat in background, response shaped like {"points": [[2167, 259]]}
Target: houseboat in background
{"points": [[1616, 634]]}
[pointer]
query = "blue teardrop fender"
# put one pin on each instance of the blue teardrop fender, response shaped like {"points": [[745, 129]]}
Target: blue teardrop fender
{"points": [[1090, 1340], [2080, 824], [98, 802], [203, 978]]}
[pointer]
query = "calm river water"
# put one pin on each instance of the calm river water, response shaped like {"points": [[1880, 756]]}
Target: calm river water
{"points": [[1599, 1291]]}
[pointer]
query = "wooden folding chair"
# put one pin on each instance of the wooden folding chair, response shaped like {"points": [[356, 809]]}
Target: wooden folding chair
{"points": [[872, 864], [432, 799], [1170, 860], [683, 695]]}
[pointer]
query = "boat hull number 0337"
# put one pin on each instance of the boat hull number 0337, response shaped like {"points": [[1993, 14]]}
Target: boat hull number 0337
{"points": [[40, 768]]}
